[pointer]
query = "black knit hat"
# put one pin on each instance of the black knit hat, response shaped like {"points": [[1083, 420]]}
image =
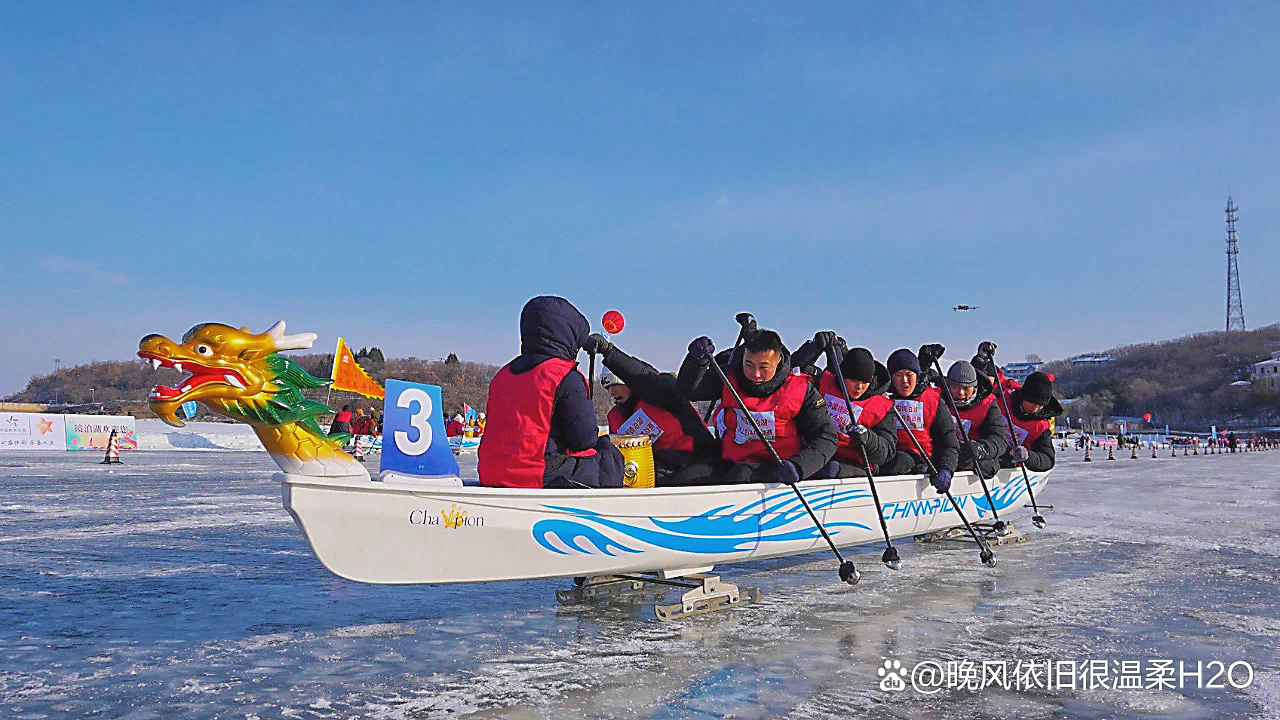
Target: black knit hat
{"points": [[903, 359], [1038, 389], [858, 365]]}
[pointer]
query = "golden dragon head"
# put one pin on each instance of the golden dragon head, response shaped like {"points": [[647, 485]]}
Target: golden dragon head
{"points": [[235, 373]]}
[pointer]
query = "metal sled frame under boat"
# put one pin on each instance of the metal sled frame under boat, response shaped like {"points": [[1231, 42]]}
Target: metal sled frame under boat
{"points": [[434, 530]]}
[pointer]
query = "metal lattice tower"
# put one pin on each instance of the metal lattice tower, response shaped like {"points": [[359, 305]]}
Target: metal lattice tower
{"points": [[1235, 306]]}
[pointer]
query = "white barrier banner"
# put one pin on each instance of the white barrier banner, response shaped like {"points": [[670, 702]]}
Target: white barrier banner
{"points": [[32, 431]]}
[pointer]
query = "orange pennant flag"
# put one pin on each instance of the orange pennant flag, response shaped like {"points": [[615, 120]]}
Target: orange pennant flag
{"points": [[349, 376]]}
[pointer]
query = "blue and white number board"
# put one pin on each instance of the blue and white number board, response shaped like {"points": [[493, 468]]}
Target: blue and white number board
{"points": [[413, 439]]}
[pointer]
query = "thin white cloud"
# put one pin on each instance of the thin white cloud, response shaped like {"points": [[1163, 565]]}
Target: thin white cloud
{"points": [[82, 270]]}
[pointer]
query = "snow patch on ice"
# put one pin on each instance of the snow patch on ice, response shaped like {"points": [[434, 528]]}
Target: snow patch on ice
{"points": [[156, 435], [379, 630]]}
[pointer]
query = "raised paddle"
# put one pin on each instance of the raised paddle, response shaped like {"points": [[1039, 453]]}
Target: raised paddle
{"points": [[988, 558], [998, 526], [1036, 518], [848, 572], [890, 556], [746, 324]]}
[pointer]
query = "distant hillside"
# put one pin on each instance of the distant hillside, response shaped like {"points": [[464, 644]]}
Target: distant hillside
{"points": [[1185, 383], [124, 385]]}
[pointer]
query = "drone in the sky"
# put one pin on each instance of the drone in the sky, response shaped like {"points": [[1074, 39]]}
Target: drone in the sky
{"points": [[965, 307]]}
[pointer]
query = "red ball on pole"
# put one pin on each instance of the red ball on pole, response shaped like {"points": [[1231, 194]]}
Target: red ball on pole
{"points": [[613, 322]]}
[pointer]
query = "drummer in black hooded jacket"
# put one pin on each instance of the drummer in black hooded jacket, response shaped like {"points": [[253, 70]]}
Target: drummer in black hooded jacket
{"points": [[648, 402], [868, 431], [1033, 407], [929, 420], [787, 407]]}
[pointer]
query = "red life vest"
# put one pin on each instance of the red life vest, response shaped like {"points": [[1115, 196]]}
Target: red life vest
{"points": [[972, 417], [648, 419], [919, 416], [513, 450], [1027, 431], [775, 414], [343, 416], [867, 412]]}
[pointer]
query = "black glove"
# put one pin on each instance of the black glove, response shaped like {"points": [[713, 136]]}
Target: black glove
{"points": [[595, 344], [941, 481], [824, 339], [977, 450], [987, 349], [787, 473], [1020, 454], [747, 322], [929, 354], [839, 348], [702, 351], [859, 434]]}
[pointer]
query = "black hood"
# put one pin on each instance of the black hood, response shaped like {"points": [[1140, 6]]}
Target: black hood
{"points": [[552, 327], [763, 389], [1051, 409]]}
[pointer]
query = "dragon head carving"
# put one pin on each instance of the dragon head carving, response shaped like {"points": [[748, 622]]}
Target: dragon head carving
{"points": [[235, 373]]}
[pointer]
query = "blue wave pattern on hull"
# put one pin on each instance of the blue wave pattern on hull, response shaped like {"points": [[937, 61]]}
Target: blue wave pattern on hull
{"points": [[1006, 495], [777, 517]]}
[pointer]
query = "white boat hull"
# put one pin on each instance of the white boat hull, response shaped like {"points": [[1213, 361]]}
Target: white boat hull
{"points": [[399, 532]]}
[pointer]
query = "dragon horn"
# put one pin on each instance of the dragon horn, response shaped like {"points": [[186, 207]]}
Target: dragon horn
{"points": [[301, 341]]}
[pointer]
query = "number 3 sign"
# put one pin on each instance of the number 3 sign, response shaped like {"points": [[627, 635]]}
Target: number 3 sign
{"points": [[413, 440]]}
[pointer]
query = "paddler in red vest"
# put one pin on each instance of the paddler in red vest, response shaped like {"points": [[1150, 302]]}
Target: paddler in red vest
{"points": [[787, 407], [980, 418], [341, 421], [868, 426], [928, 419], [647, 402], [540, 428], [1033, 406]]}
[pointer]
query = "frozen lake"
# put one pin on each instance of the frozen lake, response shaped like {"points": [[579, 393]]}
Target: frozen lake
{"points": [[176, 586]]}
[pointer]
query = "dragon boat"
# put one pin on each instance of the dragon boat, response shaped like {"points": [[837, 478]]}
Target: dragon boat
{"points": [[426, 524]]}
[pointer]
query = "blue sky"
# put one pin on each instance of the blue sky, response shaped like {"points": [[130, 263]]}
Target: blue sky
{"points": [[409, 174]]}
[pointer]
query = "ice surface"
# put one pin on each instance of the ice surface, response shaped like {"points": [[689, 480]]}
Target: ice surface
{"points": [[175, 585]]}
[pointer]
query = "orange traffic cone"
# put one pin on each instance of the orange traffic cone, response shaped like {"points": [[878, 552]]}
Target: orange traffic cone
{"points": [[359, 450], [1133, 451], [1153, 451], [1087, 457], [1173, 451], [1111, 453], [113, 451]]}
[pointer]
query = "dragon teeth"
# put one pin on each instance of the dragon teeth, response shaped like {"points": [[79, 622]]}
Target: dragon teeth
{"points": [[177, 366], [233, 382], [155, 363]]}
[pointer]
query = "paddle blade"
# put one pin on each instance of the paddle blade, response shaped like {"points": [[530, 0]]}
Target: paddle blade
{"points": [[849, 573]]}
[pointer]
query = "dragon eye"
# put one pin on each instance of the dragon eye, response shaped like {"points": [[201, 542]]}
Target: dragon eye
{"points": [[204, 350]]}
